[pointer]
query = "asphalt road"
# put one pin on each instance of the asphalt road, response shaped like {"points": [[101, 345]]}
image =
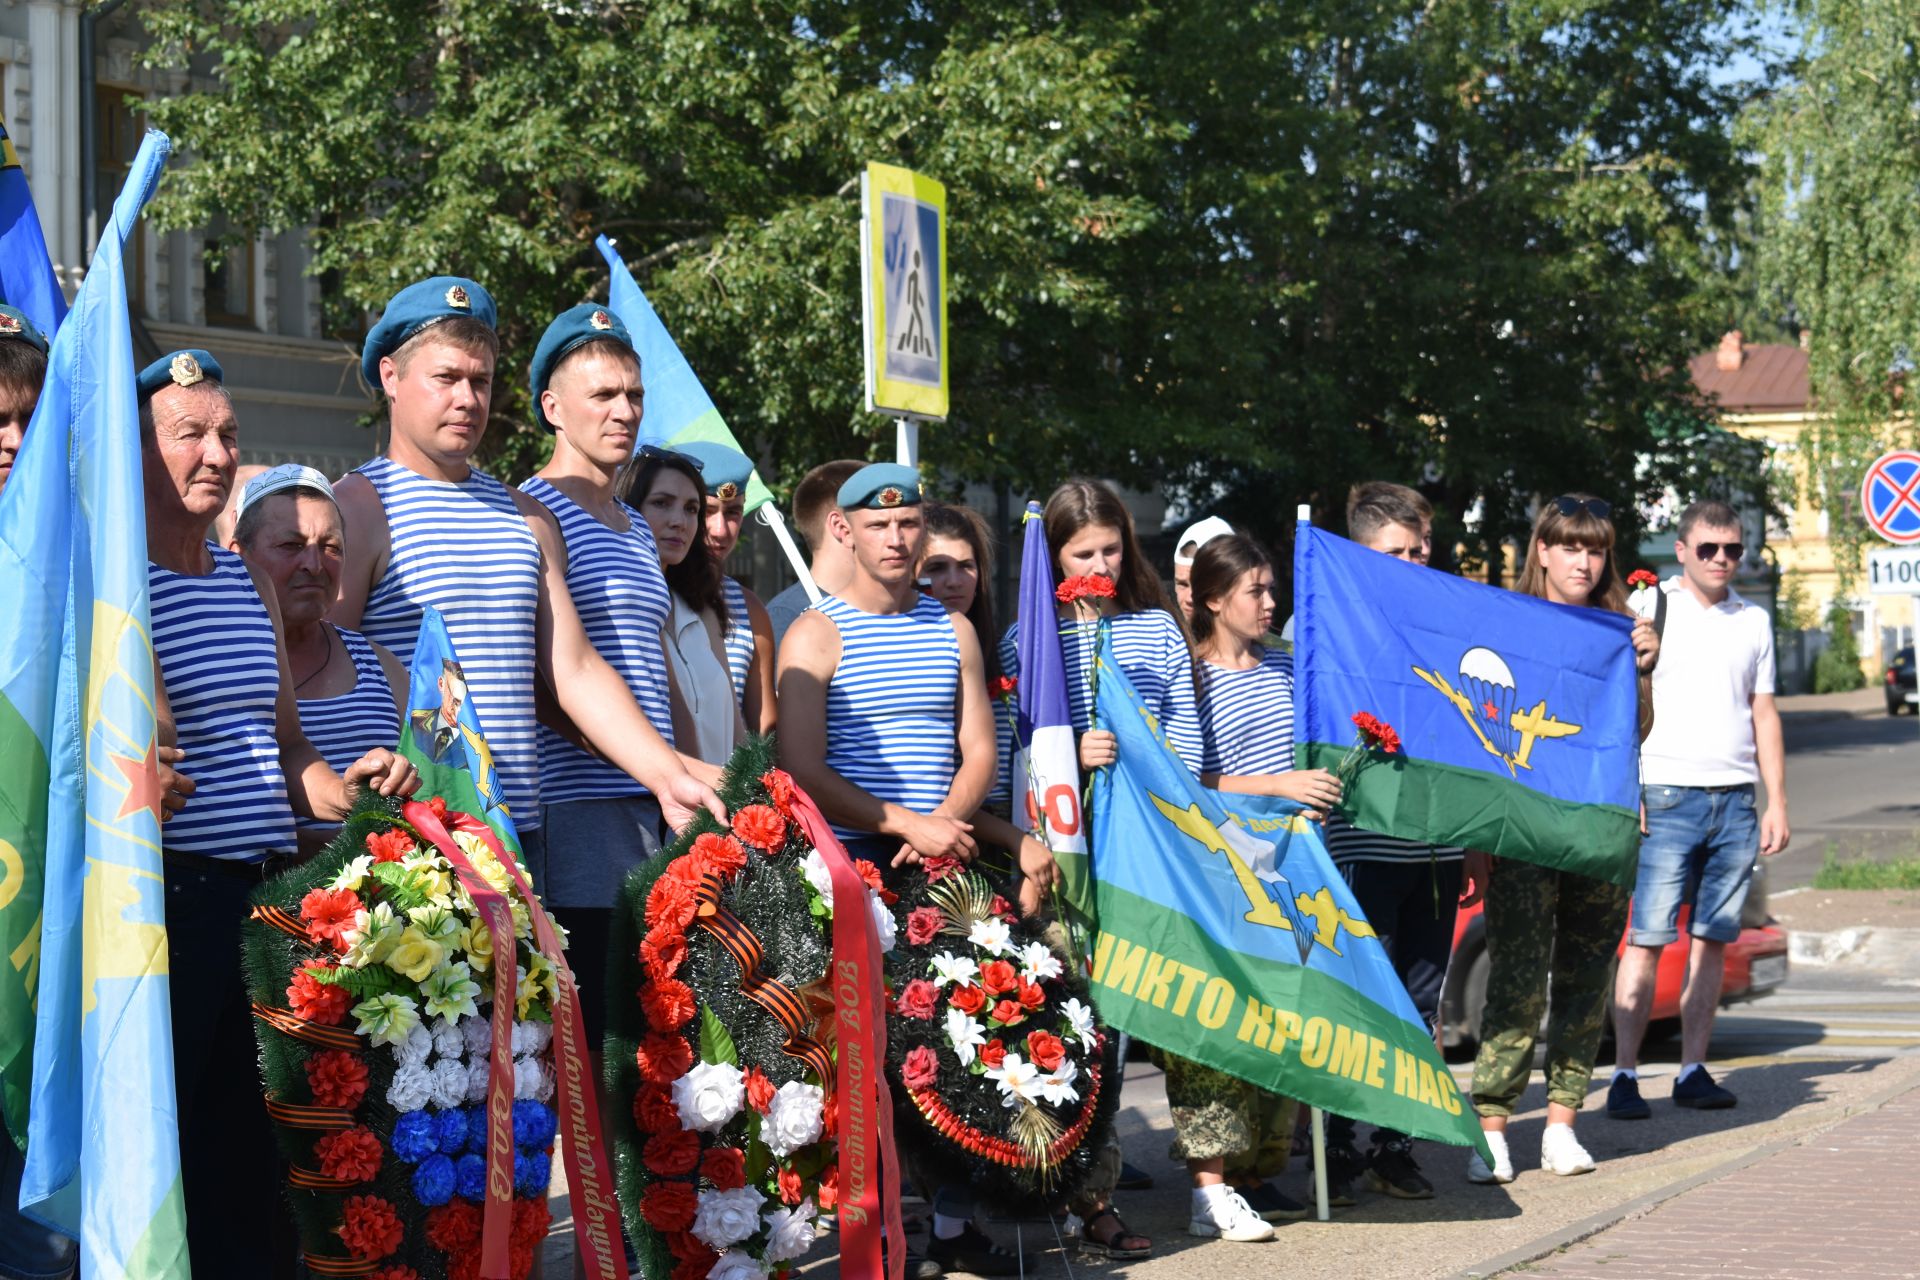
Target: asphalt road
{"points": [[1853, 786]]}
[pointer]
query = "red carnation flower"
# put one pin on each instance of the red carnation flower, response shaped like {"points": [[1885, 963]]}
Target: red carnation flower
{"points": [[668, 1004], [871, 874], [1002, 908], [998, 977], [369, 1227], [519, 1261], [940, 867], [918, 999], [437, 807], [351, 1155], [669, 1206], [670, 904], [1003, 687], [1046, 1050], [654, 1110], [454, 1227], [337, 1078], [664, 1057], [389, 846], [968, 1000], [531, 1218], [1090, 586], [663, 951], [725, 1168], [1642, 578], [830, 1114], [329, 913], [924, 924], [1007, 1013], [761, 826], [780, 790], [684, 1245], [993, 1053], [760, 1090], [1030, 995], [720, 854], [827, 1194], [317, 1001], [921, 1068], [672, 1154], [398, 1271], [792, 1190]]}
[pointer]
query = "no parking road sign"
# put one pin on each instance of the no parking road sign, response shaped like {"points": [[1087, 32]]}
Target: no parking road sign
{"points": [[1890, 496]]}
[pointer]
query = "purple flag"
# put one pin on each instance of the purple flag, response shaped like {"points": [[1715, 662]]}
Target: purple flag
{"points": [[1046, 768]]}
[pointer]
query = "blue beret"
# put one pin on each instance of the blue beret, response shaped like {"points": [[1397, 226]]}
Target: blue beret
{"points": [[725, 470], [571, 329], [14, 324], [879, 486], [178, 369], [414, 308]]}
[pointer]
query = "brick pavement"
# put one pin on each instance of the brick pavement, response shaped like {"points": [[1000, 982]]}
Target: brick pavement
{"points": [[1841, 1203]]}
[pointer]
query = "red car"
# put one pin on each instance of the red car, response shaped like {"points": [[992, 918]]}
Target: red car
{"points": [[1756, 964]]}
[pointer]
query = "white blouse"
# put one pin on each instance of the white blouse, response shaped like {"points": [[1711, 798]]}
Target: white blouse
{"points": [[705, 685]]}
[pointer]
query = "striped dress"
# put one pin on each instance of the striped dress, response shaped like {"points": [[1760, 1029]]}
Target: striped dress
{"points": [[739, 640], [345, 728], [892, 707], [1151, 650], [1246, 717], [621, 595], [464, 549], [221, 664]]}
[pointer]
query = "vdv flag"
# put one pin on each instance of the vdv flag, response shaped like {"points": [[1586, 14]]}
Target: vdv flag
{"points": [[678, 408], [26, 270], [80, 793], [1046, 767], [442, 733], [1227, 937], [1518, 718]]}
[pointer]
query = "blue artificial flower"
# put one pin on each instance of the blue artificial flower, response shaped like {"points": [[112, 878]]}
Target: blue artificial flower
{"points": [[476, 1128], [470, 1177], [452, 1129], [433, 1180], [534, 1124], [531, 1174], [415, 1135]]}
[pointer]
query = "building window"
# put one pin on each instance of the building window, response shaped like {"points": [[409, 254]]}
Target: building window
{"points": [[228, 280], [120, 123]]}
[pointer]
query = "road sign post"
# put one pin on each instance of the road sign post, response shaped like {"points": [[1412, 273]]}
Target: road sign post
{"points": [[1890, 501], [903, 277]]}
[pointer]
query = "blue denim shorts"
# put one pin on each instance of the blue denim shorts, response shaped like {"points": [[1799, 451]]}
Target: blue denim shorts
{"points": [[1699, 851]]}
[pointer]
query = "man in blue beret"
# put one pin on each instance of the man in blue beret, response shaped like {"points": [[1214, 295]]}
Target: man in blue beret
{"points": [[880, 690], [430, 529], [749, 639], [23, 370]]}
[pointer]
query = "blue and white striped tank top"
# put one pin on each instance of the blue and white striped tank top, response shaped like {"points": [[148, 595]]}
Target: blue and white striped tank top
{"points": [[345, 728], [739, 640], [1246, 717], [1152, 650], [221, 664], [621, 595], [464, 549], [892, 707]]}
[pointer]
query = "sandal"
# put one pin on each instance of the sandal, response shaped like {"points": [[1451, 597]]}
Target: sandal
{"points": [[1120, 1243]]}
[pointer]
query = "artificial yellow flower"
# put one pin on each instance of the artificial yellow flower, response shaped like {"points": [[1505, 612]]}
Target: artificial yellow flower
{"points": [[416, 955], [479, 947], [484, 862]]}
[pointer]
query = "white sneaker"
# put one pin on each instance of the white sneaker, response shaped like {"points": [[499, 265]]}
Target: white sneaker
{"points": [[1561, 1152], [1502, 1168], [1230, 1218]]}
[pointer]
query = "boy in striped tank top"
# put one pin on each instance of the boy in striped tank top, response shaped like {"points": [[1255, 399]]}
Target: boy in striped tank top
{"points": [[749, 641], [430, 529], [879, 687]]}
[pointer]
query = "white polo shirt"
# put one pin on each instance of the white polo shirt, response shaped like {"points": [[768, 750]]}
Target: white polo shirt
{"points": [[1714, 659]]}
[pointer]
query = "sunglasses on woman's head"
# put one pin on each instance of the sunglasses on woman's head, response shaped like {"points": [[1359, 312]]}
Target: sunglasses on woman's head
{"points": [[655, 451], [1592, 506], [1712, 550]]}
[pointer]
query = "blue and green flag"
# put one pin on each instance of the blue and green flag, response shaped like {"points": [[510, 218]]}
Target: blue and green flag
{"points": [[26, 272], [1518, 718], [442, 733], [83, 907], [1227, 937]]}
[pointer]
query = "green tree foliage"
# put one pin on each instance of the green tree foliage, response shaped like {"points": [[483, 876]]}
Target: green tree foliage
{"points": [[1836, 668], [1249, 252]]}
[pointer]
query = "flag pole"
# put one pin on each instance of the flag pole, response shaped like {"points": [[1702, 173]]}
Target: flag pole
{"points": [[1304, 513], [770, 516]]}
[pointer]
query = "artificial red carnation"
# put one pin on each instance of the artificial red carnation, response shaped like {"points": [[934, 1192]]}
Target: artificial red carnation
{"points": [[329, 913], [780, 791], [1007, 1013], [662, 952], [664, 1057], [1046, 1049], [337, 1078], [830, 1113], [351, 1155], [398, 1271], [993, 1053], [684, 1245], [924, 924], [670, 903], [454, 1227], [694, 1268], [389, 846], [668, 1004], [761, 826], [689, 869], [437, 807], [672, 1154], [828, 1193], [1030, 995], [791, 1191], [317, 1001], [998, 977], [871, 874], [669, 1206], [531, 1218], [918, 999], [369, 1227], [725, 1168], [939, 867], [968, 1000], [722, 854], [519, 1260], [921, 1068], [760, 1090], [465, 1266], [654, 1110]]}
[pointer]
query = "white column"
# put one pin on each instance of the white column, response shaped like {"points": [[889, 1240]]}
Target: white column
{"points": [[53, 42]]}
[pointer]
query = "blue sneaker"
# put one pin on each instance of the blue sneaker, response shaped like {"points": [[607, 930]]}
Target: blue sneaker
{"points": [[1624, 1101], [1697, 1090]]}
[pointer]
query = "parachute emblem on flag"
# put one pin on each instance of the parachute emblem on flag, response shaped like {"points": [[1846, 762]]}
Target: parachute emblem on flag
{"points": [[1489, 701]]}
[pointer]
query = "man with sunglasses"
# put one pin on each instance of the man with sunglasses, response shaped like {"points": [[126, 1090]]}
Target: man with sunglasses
{"points": [[1716, 732]]}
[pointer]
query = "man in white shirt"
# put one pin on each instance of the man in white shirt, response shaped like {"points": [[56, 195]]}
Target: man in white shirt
{"points": [[1716, 732]]}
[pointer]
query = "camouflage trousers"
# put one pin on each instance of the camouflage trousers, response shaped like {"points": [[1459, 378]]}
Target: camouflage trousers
{"points": [[1545, 925], [1217, 1116]]}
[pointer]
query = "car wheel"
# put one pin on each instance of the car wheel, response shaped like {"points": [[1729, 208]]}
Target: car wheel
{"points": [[1895, 705]]}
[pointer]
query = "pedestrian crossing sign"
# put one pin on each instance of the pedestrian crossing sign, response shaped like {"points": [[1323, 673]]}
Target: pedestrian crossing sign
{"points": [[903, 277]]}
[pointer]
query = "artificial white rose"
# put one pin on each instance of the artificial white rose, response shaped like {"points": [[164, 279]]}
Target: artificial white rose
{"points": [[883, 922], [477, 1077], [737, 1265], [709, 1095], [790, 1232], [448, 1041], [793, 1117], [413, 1051], [814, 867], [411, 1088], [727, 1217], [449, 1083]]}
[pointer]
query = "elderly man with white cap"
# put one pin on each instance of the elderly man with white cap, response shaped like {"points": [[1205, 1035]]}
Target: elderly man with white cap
{"points": [[1198, 535]]}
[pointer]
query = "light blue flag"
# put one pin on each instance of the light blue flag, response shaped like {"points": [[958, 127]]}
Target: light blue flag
{"points": [[443, 735], [76, 664]]}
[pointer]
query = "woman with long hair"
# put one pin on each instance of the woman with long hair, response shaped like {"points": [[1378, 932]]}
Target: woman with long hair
{"points": [[749, 635], [956, 564], [667, 489], [1545, 926]]}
